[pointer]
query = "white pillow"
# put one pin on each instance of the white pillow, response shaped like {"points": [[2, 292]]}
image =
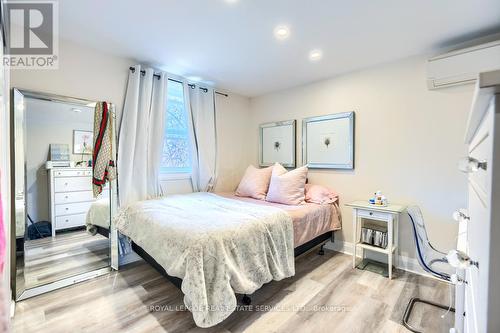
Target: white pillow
{"points": [[255, 183], [287, 187]]}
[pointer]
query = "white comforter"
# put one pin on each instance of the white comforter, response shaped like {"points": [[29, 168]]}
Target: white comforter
{"points": [[98, 215], [217, 246]]}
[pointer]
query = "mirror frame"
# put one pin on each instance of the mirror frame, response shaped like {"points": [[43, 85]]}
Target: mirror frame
{"points": [[19, 292]]}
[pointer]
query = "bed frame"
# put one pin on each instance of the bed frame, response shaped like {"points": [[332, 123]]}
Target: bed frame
{"points": [[102, 231], [321, 239]]}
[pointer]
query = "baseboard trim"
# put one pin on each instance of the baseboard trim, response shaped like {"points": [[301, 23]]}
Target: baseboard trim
{"points": [[401, 262]]}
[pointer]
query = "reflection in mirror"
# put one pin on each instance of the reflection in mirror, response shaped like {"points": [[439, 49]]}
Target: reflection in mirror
{"points": [[62, 230]]}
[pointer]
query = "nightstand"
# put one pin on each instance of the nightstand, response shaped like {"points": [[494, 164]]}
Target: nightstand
{"points": [[389, 215]]}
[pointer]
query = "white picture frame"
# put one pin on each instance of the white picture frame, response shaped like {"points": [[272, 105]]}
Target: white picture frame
{"points": [[83, 142], [278, 143], [328, 141]]}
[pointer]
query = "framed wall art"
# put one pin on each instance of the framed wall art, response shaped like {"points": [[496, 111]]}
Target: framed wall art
{"points": [[328, 141], [83, 142], [278, 143]]}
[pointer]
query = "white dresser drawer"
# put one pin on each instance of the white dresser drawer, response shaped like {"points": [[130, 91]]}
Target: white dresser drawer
{"points": [[72, 173], [73, 208], [481, 149], [66, 184], [367, 214], [69, 197], [70, 221]]}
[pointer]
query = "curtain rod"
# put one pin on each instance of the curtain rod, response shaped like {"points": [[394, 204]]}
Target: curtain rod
{"points": [[191, 85]]}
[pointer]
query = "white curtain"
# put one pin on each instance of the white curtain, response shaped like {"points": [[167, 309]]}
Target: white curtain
{"points": [[141, 136], [201, 104]]}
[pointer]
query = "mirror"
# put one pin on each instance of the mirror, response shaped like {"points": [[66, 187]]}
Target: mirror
{"points": [[62, 232]]}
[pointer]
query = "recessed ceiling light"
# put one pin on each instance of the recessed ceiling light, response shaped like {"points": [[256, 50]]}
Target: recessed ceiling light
{"points": [[315, 55], [76, 110], [231, 1], [281, 32], [194, 78]]}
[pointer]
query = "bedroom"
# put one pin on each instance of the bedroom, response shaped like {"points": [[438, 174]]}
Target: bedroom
{"points": [[206, 97]]}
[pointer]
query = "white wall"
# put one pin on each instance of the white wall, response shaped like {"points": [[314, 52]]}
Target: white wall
{"points": [[407, 142], [233, 120]]}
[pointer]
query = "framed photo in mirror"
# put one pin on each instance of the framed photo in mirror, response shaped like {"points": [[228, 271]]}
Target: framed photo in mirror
{"points": [[278, 143], [83, 142], [328, 141]]}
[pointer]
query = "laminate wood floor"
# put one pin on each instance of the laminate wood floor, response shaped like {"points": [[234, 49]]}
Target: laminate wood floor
{"points": [[325, 295], [68, 254]]}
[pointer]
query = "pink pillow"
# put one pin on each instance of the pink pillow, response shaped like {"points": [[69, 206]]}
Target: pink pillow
{"points": [[320, 194], [287, 187], [255, 183]]}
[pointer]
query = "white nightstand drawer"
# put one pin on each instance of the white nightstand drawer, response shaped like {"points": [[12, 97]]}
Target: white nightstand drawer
{"points": [[70, 221], [73, 208], [72, 173], [370, 214], [66, 184], [69, 197]]}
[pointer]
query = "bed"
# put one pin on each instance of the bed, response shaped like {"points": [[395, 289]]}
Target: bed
{"points": [[214, 246], [97, 220]]}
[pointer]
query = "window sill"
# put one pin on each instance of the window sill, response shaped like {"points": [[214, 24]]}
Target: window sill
{"points": [[174, 176]]}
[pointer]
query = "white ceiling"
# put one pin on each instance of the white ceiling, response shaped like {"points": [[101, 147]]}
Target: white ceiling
{"points": [[232, 44], [40, 111]]}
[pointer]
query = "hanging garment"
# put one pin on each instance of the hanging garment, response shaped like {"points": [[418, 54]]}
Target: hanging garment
{"points": [[103, 162]]}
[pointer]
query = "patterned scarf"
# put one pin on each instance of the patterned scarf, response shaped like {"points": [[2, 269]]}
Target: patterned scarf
{"points": [[103, 162]]}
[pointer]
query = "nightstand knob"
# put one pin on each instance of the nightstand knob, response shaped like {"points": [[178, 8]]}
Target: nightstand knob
{"points": [[371, 213]]}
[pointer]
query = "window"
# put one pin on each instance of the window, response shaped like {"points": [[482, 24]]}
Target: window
{"points": [[176, 155]]}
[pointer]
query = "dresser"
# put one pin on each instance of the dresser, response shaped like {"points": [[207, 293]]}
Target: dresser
{"points": [[70, 196], [481, 291]]}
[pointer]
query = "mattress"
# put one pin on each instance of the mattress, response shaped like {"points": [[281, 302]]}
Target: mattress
{"points": [[309, 220], [98, 214]]}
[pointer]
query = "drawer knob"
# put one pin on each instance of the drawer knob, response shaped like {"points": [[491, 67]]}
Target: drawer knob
{"points": [[67, 220], [459, 259], [67, 208], [470, 164], [371, 213]]}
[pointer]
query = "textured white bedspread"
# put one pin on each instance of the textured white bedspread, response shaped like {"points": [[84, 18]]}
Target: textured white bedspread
{"points": [[217, 246]]}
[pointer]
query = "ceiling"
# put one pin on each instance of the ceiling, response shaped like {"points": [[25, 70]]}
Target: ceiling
{"points": [[231, 43], [40, 111]]}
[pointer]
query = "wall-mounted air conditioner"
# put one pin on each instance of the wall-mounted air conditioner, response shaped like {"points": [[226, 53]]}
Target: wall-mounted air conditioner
{"points": [[462, 66]]}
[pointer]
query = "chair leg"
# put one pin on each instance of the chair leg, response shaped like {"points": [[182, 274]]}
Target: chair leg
{"points": [[409, 308]]}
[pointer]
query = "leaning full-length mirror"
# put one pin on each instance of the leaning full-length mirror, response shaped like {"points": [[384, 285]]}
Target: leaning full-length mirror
{"points": [[62, 229]]}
